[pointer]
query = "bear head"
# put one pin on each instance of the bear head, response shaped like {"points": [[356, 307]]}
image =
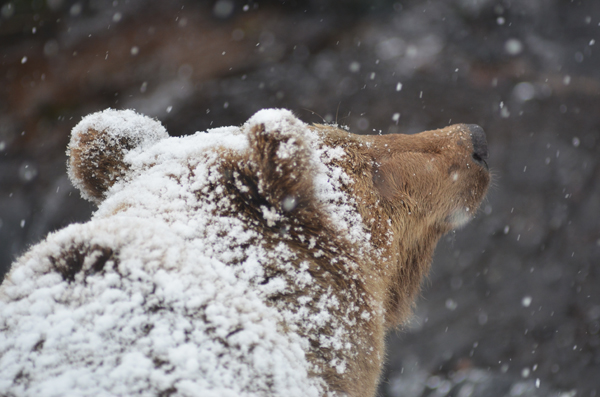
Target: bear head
{"points": [[265, 259]]}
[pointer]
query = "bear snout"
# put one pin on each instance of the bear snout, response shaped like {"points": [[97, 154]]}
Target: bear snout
{"points": [[479, 142]]}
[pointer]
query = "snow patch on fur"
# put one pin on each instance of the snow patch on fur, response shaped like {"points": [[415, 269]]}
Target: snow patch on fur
{"points": [[172, 295]]}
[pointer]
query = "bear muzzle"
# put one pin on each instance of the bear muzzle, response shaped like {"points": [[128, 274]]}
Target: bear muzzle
{"points": [[479, 142]]}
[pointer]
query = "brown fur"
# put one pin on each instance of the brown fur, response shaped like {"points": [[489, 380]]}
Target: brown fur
{"points": [[409, 191], [97, 160], [408, 180], [262, 179]]}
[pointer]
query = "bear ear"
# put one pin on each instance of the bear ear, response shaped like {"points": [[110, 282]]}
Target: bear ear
{"points": [[98, 147]]}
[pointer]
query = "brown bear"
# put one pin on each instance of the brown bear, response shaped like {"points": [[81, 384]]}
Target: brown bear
{"points": [[266, 259]]}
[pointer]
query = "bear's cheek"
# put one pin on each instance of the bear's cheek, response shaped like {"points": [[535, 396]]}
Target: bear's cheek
{"points": [[421, 183], [466, 188]]}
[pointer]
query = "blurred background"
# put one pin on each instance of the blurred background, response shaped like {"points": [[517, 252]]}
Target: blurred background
{"points": [[512, 307]]}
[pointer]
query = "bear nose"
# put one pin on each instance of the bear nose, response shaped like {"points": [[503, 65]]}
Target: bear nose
{"points": [[480, 148]]}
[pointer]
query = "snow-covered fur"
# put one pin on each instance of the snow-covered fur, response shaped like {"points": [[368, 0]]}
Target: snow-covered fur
{"points": [[266, 259]]}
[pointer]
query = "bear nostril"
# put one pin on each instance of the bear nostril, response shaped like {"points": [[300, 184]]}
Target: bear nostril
{"points": [[480, 149]]}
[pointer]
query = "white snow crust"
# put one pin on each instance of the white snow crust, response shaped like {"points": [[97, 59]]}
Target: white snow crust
{"points": [[119, 123], [180, 307]]}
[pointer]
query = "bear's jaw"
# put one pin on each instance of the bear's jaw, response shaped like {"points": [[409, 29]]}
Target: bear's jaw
{"points": [[459, 217]]}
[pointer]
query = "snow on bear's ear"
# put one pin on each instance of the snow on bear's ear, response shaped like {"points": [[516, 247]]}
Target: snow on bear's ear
{"points": [[98, 147]]}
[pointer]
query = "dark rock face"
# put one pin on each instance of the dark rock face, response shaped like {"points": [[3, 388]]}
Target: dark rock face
{"points": [[512, 298]]}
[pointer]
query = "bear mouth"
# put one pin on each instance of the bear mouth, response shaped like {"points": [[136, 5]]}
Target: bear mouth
{"points": [[459, 217]]}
